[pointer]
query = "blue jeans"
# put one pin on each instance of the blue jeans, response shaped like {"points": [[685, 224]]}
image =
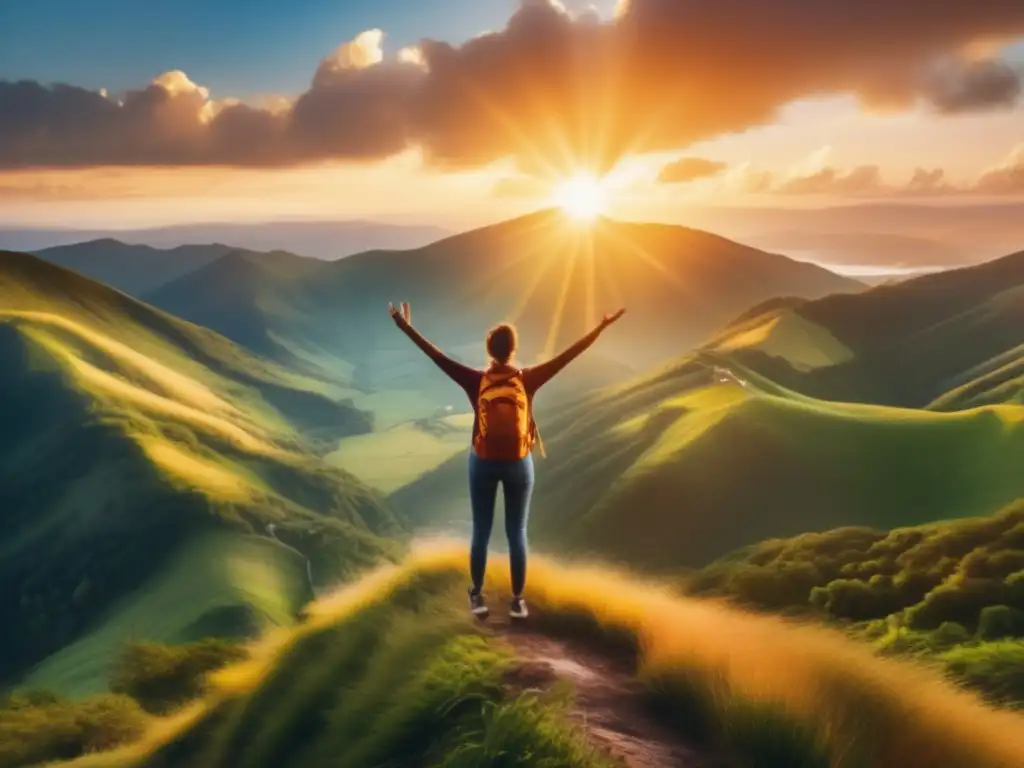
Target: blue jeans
{"points": [[516, 478]]}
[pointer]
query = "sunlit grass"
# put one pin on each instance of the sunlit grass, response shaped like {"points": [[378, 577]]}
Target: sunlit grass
{"points": [[801, 343], [100, 382], [760, 683], [196, 472], [895, 713], [164, 380]]}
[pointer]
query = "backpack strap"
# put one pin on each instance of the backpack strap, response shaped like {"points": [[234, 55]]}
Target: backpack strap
{"points": [[538, 440]]}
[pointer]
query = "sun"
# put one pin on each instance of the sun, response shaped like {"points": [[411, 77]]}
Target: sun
{"points": [[581, 197]]}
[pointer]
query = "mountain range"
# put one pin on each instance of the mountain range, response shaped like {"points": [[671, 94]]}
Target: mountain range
{"points": [[552, 279], [320, 239]]}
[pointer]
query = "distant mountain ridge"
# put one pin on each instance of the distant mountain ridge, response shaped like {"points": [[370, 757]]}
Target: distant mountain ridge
{"points": [[134, 269], [242, 295], [552, 278], [319, 239]]}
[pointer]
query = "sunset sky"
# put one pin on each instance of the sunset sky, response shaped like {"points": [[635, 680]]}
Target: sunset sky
{"points": [[459, 111]]}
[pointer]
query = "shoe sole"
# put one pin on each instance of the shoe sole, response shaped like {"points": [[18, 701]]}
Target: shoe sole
{"points": [[480, 612], [519, 616]]}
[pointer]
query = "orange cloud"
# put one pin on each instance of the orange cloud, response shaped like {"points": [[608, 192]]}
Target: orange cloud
{"points": [[553, 90], [863, 180], [689, 169], [816, 176], [1006, 178]]}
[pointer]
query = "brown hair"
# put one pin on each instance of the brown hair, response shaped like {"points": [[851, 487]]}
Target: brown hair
{"points": [[501, 342]]}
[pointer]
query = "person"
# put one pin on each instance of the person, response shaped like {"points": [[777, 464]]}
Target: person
{"points": [[504, 435]]}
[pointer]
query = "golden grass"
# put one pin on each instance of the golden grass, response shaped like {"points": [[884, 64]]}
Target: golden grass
{"points": [[818, 676], [899, 714], [207, 412], [805, 345], [196, 472], [169, 382]]}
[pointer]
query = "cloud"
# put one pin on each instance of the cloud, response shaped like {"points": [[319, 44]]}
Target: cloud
{"points": [[412, 55], [361, 53], [816, 175], [926, 182], [863, 180], [746, 178], [1006, 178], [975, 85], [689, 169], [551, 89]]}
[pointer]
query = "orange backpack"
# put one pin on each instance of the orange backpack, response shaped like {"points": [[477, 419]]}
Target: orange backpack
{"points": [[505, 426]]}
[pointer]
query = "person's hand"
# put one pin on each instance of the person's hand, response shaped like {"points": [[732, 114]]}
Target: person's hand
{"points": [[401, 315], [612, 317]]}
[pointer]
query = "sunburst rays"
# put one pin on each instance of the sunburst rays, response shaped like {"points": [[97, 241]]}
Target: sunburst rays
{"points": [[560, 302], [593, 252]]}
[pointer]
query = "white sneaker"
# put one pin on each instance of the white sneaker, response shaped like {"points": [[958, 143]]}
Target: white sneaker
{"points": [[477, 606], [517, 608]]}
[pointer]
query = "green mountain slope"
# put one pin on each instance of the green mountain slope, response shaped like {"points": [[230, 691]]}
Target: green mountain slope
{"points": [[134, 269], [128, 437], [684, 465], [245, 296], [947, 340]]}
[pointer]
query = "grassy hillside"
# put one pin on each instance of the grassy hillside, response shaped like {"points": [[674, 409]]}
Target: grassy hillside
{"points": [[220, 584], [246, 297], [386, 673], [128, 437], [948, 341], [684, 465], [134, 269]]}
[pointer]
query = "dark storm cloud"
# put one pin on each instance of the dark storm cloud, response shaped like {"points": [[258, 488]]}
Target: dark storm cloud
{"points": [[552, 90], [690, 169]]}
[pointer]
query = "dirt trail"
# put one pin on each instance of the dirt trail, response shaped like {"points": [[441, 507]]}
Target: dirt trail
{"points": [[608, 703]]}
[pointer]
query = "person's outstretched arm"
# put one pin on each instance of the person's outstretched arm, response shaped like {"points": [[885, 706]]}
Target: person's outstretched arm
{"points": [[540, 375], [463, 375]]}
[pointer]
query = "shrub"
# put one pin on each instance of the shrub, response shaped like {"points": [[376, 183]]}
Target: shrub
{"points": [[36, 729], [855, 600], [961, 600], [995, 669], [999, 621], [163, 677], [949, 634]]}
